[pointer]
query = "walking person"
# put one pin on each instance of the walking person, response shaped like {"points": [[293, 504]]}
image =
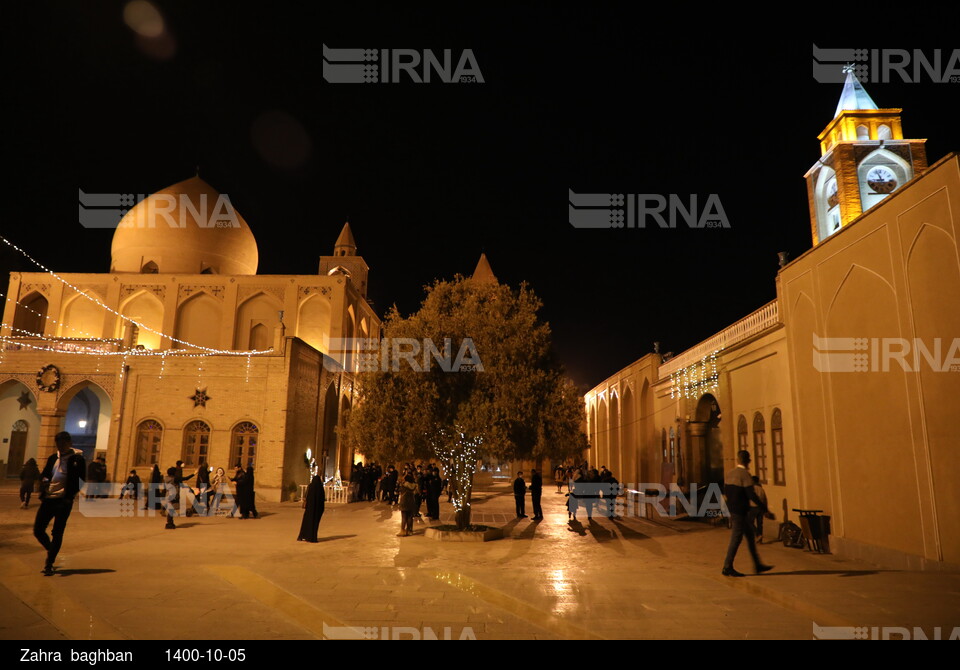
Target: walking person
{"points": [[739, 491], [755, 515], [573, 498], [313, 510], [408, 505], [519, 492], [536, 491], [558, 476], [29, 475], [59, 484]]}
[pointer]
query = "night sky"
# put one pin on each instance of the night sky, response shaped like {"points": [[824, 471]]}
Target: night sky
{"points": [[431, 175]]}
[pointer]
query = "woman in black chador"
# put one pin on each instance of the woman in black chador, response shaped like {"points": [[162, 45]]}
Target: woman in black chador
{"points": [[251, 498], [314, 508]]}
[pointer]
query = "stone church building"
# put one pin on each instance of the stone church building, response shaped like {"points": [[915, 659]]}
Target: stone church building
{"points": [[146, 363], [845, 388]]}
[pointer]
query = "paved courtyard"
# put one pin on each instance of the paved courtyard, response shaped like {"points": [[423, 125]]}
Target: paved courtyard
{"points": [[228, 579]]}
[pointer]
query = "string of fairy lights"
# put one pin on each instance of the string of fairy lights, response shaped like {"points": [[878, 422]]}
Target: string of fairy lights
{"points": [[463, 458], [84, 334], [696, 379], [89, 345]]}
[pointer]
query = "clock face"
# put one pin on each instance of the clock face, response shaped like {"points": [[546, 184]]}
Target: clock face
{"points": [[881, 180]]}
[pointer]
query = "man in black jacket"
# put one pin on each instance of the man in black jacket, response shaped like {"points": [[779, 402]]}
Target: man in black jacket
{"points": [[59, 484], [519, 491], [738, 490], [536, 491]]}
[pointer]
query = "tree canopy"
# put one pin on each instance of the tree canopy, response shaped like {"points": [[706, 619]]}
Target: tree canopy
{"points": [[501, 391]]}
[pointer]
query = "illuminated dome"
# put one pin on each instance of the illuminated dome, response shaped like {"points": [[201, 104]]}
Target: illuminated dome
{"points": [[187, 228]]}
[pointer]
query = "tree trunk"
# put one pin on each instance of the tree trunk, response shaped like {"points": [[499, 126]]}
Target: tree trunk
{"points": [[465, 491]]}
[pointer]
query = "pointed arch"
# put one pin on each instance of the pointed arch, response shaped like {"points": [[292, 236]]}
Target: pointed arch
{"points": [[81, 316], [827, 204], [145, 308], [257, 318], [313, 322], [31, 315], [87, 401], [199, 321], [851, 275], [870, 192]]}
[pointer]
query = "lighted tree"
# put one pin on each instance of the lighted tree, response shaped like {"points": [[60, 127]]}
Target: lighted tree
{"points": [[491, 386]]}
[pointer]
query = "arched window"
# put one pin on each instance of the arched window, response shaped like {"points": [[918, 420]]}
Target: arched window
{"points": [[663, 443], [673, 445], [150, 268], [863, 133], [243, 449], [760, 447], [883, 132], [776, 436], [196, 443], [149, 435], [742, 442]]}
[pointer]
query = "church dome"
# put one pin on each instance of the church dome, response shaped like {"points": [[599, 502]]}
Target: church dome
{"points": [[187, 228]]}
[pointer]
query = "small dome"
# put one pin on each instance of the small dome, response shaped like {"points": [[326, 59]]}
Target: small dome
{"points": [[187, 228]]}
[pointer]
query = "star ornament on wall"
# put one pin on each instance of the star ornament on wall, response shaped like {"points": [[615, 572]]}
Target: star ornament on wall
{"points": [[24, 400], [200, 398]]}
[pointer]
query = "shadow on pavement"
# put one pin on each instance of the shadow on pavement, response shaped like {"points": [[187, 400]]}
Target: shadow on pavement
{"points": [[84, 571], [577, 527], [600, 534], [334, 537], [842, 573]]}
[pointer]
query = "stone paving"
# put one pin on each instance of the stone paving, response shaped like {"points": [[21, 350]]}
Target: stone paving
{"points": [[216, 578]]}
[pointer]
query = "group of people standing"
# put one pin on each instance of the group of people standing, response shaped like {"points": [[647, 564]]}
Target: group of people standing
{"points": [[589, 489], [407, 489]]}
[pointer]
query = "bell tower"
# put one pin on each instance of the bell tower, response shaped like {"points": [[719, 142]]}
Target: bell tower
{"points": [[345, 261], [864, 159]]}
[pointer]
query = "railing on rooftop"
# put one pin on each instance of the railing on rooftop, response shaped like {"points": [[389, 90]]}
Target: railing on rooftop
{"points": [[765, 317]]}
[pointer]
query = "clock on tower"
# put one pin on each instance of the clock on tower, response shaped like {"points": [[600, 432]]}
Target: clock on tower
{"points": [[864, 160]]}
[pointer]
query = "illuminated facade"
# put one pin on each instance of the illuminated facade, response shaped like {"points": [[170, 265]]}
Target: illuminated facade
{"points": [[151, 356], [844, 388]]}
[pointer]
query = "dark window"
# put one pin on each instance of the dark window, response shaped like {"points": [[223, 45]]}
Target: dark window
{"points": [[776, 434], [760, 447], [149, 435]]}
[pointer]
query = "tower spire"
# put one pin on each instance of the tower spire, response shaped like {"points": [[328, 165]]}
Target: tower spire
{"points": [[853, 96], [484, 273], [345, 244]]}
